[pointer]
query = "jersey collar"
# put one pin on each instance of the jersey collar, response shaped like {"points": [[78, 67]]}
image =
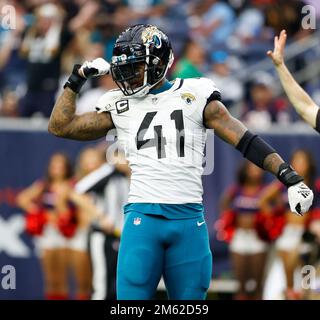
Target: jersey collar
{"points": [[166, 86]]}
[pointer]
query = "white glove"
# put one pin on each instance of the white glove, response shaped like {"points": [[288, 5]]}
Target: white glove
{"points": [[94, 68], [300, 198]]}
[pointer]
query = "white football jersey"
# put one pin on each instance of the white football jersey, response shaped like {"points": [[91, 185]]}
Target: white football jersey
{"points": [[163, 137]]}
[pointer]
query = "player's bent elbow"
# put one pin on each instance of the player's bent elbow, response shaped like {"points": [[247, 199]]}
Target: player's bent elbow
{"points": [[52, 129], [56, 131]]}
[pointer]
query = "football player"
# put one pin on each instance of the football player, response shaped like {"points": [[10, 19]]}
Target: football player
{"points": [[162, 127], [300, 100]]}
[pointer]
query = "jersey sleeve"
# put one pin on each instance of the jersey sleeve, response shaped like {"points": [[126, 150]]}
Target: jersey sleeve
{"points": [[318, 121], [210, 91], [106, 103], [206, 92]]}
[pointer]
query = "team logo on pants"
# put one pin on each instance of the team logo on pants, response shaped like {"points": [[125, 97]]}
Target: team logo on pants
{"points": [[137, 221]]}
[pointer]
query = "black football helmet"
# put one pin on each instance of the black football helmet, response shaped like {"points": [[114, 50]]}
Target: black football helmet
{"points": [[142, 51]]}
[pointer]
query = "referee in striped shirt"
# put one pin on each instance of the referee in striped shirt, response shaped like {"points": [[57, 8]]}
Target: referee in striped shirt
{"points": [[109, 186]]}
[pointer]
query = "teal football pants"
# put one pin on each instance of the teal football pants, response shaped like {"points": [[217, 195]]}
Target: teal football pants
{"points": [[152, 246]]}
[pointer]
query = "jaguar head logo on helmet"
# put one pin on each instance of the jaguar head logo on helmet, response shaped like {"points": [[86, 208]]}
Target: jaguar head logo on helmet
{"points": [[141, 58]]}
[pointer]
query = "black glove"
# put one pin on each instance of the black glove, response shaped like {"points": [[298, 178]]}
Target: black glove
{"points": [[81, 73]]}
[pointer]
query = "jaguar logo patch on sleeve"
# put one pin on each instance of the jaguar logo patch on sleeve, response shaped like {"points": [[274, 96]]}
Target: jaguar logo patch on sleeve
{"points": [[188, 98]]}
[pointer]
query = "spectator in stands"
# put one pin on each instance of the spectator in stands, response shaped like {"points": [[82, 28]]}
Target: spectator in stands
{"points": [[192, 61], [283, 14], [109, 189], [263, 108], [56, 216], [142, 11], [104, 34], [84, 13], [248, 251], [95, 24], [249, 25], [231, 88], [251, 36], [42, 47], [9, 105], [216, 21], [89, 21], [174, 22], [288, 15], [12, 67], [33, 200], [289, 243]]}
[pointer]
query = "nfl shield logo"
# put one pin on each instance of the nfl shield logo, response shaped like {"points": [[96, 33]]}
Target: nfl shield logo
{"points": [[136, 221]]}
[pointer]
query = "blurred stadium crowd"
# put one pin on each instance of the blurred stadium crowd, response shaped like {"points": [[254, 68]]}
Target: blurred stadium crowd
{"points": [[211, 38]]}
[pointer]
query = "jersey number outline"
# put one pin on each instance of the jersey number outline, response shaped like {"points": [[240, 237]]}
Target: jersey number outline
{"points": [[159, 141]]}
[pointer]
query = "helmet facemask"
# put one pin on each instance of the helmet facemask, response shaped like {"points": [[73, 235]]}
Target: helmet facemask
{"points": [[129, 76], [127, 69]]}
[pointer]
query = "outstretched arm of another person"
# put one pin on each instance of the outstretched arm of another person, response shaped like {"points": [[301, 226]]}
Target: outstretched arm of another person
{"points": [[300, 100]]}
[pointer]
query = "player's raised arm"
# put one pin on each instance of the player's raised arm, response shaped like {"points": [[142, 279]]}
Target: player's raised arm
{"points": [[63, 120], [301, 101], [255, 149]]}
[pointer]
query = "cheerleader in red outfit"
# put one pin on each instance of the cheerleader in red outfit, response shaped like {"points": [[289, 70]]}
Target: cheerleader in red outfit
{"points": [[248, 251], [289, 243], [52, 217], [39, 202]]}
